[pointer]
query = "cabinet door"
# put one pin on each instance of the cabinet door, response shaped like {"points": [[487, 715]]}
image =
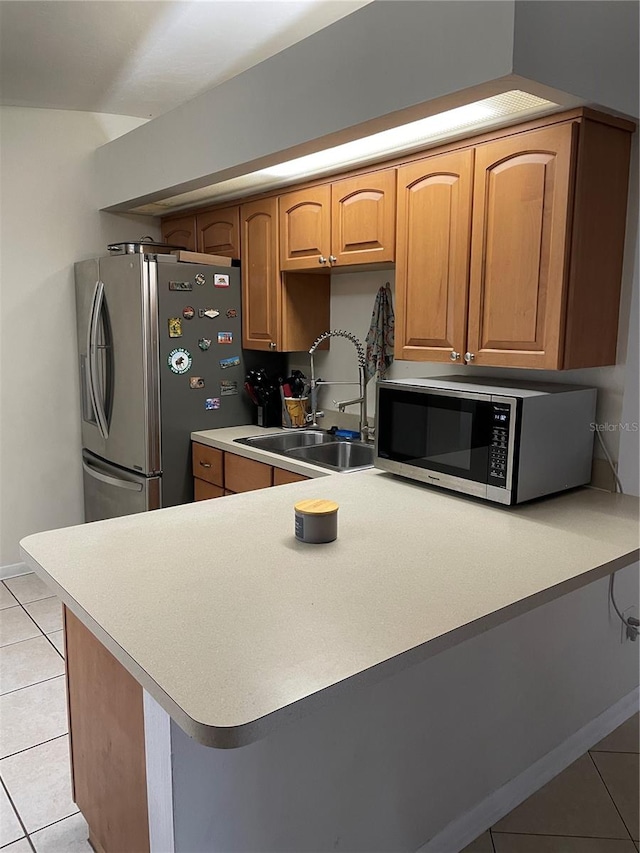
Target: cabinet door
{"points": [[206, 463], [219, 232], [106, 726], [203, 491], [434, 222], [521, 214], [246, 475], [260, 275], [363, 219], [282, 477], [180, 232], [305, 228]]}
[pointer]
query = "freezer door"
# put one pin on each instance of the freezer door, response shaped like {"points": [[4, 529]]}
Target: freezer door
{"points": [[110, 492], [118, 343]]}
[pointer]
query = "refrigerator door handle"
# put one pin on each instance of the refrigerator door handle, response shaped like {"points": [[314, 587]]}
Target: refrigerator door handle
{"points": [[92, 350], [111, 481]]}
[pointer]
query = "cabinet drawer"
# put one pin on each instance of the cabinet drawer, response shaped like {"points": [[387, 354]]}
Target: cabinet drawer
{"points": [[203, 491], [207, 463], [245, 475], [282, 477]]}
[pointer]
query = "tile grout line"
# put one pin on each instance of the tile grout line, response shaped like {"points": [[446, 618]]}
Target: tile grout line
{"points": [[624, 823], [24, 686], [561, 835], [615, 751], [33, 746], [53, 823], [39, 627], [17, 813]]}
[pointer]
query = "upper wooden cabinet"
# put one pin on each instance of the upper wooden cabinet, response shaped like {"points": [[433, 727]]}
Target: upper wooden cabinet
{"points": [[305, 228], [521, 231], [180, 231], [547, 236], [432, 266], [218, 232], [344, 223], [284, 312]]}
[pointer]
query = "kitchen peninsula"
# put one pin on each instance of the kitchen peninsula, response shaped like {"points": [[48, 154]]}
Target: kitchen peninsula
{"points": [[302, 697]]}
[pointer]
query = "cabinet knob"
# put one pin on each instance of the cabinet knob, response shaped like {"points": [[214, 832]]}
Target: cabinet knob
{"points": [[454, 356], [272, 345], [469, 356], [322, 259], [333, 259]]}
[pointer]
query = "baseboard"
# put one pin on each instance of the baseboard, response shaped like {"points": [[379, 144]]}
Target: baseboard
{"points": [[462, 831], [13, 570]]}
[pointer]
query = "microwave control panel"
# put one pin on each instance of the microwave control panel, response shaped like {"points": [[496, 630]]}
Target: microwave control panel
{"points": [[499, 448]]}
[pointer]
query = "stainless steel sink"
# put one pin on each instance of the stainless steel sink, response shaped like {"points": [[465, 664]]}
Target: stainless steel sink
{"points": [[317, 447], [340, 456], [284, 441]]}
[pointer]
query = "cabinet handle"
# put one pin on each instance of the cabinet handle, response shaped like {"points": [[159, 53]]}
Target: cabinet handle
{"points": [[333, 259], [322, 259], [205, 464], [272, 345], [469, 356], [454, 356]]}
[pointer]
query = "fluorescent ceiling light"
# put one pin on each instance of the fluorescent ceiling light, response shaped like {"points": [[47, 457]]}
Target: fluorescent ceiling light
{"points": [[407, 136], [488, 112]]}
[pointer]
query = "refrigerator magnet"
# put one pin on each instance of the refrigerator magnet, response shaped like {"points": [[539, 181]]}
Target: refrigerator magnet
{"points": [[179, 360], [232, 313], [225, 337], [234, 361], [220, 280], [175, 327], [180, 285], [200, 279], [227, 388], [212, 403], [196, 382], [208, 312], [204, 344], [188, 312]]}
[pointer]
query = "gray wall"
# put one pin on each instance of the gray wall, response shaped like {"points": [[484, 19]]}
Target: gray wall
{"points": [[586, 47], [384, 57], [390, 766]]}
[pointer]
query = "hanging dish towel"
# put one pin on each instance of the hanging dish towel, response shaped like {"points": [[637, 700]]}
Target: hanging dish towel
{"points": [[381, 334]]}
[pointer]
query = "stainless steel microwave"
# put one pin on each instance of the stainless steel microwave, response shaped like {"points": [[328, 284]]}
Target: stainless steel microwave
{"points": [[496, 439]]}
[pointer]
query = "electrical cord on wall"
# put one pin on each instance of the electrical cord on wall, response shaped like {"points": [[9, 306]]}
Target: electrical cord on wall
{"points": [[631, 624]]}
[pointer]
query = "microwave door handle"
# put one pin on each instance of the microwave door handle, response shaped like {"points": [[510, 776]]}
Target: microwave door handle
{"points": [[92, 349], [111, 481]]}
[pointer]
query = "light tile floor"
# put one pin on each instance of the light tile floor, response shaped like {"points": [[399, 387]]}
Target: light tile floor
{"points": [[36, 809], [592, 807]]}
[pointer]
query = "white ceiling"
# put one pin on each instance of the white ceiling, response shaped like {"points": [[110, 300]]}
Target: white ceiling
{"points": [[143, 57]]}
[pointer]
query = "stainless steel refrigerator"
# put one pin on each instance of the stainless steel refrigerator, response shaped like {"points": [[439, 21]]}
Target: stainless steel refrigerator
{"points": [[160, 356]]}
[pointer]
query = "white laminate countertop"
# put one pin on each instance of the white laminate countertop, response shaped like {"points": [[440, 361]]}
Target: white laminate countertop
{"points": [[235, 627]]}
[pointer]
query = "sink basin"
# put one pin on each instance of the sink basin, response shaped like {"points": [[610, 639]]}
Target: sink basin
{"points": [[282, 442], [340, 456], [317, 447]]}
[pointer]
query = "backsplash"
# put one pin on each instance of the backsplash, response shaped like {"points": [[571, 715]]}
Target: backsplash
{"points": [[352, 301]]}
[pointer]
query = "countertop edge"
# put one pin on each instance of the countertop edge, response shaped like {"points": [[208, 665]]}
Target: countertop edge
{"points": [[232, 737], [258, 455]]}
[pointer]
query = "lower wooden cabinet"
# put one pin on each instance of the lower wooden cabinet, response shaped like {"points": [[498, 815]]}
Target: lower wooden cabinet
{"points": [[106, 728], [218, 474]]}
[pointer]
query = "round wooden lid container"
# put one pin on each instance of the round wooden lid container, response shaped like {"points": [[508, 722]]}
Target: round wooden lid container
{"points": [[316, 506]]}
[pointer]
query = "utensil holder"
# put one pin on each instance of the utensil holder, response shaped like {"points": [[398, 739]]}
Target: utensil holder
{"points": [[296, 408]]}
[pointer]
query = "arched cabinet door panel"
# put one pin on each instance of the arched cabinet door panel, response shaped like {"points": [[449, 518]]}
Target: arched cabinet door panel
{"points": [[305, 229], [180, 232], [260, 274], [363, 219], [219, 232], [519, 254], [432, 257]]}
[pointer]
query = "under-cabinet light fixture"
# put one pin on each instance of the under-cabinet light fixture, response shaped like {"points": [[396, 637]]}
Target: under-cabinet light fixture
{"points": [[489, 112], [413, 135]]}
